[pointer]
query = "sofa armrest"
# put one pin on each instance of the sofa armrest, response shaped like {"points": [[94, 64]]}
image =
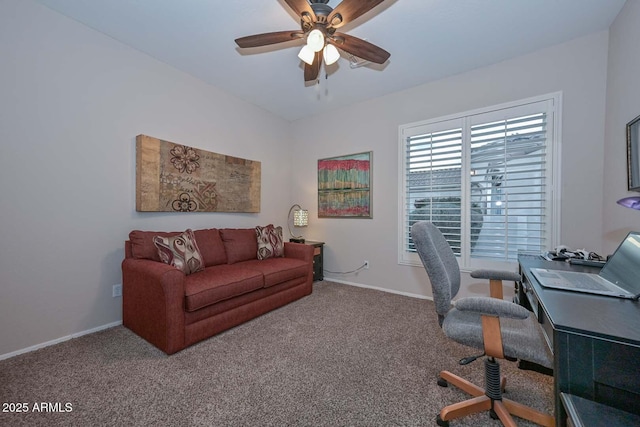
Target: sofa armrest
{"points": [[298, 251], [302, 252], [153, 302]]}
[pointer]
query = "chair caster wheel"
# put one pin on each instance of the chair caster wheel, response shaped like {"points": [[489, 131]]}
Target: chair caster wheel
{"points": [[493, 414], [441, 422], [442, 383]]}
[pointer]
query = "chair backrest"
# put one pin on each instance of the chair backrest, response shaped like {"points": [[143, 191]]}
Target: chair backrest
{"points": [[440, 262]]}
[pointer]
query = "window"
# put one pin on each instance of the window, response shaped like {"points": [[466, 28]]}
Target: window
{"points": [[485, 178]]}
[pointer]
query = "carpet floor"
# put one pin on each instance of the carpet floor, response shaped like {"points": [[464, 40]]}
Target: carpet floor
{"points": [[343, 356]]}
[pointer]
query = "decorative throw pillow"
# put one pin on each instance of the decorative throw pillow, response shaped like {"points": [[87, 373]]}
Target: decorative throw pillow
{"points": [[270, 242], [180, 251]]}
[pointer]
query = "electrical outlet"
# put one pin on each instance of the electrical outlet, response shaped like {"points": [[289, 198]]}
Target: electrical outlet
{"points": [[117, 290], [366, 264]]}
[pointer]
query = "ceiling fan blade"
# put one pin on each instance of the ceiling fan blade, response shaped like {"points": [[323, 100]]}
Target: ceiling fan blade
{"points": [[360, 48], [312, 71], [349, 10], [269, 38], [302, 7]]}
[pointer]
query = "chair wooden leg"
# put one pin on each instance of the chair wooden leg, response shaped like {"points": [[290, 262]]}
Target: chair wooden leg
{"points": [[468, 407], [462, 384], [527, 413], [480, 402], [502, 413]]}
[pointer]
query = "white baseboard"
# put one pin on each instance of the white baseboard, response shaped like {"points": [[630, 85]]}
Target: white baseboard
{"points": [[59, 340], [391, 291]]}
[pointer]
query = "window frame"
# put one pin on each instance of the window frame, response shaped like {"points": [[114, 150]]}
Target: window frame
{"points": [[465, 119]]}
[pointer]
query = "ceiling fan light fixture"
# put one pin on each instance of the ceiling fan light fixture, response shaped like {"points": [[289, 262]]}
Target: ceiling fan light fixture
{"points": [[307, 54], [315, 40], [318, 24], [330, 54]]}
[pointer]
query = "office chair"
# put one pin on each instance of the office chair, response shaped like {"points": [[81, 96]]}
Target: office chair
{"points": [[501, 328]]}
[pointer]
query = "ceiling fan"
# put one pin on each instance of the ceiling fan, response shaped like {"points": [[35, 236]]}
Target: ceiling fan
{"points": [[319, 23]]}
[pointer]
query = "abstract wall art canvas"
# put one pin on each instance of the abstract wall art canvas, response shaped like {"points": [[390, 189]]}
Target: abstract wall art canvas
{"points": [[177, 178], [344, 186]]}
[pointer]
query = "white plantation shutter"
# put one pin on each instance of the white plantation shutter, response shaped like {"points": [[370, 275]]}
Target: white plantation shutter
{"points": [[484, 179], [508, 169], [433, 190]]}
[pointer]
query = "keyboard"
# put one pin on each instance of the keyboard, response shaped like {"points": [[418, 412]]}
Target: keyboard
{"points": [[583, 281]]}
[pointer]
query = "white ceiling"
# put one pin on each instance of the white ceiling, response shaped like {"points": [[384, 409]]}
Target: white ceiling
{"points": [[427, 39]]}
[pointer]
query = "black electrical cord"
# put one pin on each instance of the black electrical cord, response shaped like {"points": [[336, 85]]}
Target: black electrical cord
{"points": [[347, 272]]}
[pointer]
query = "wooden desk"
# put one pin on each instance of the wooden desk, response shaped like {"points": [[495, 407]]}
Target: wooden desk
{"points": [[595, 340]]}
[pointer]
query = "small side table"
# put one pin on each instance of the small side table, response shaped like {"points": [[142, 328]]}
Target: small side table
{"points": [[318, 259]]}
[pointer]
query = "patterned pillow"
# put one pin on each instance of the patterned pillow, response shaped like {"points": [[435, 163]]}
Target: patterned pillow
{"points": [[180, 251], [270, 242]]}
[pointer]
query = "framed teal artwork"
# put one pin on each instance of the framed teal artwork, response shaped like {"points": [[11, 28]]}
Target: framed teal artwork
{"points": [[344, 186]]}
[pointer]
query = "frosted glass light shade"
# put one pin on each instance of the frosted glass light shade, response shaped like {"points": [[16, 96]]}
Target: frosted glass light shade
{"points": [[315, 40], [301, 218], [330, 54], [307, 54]]}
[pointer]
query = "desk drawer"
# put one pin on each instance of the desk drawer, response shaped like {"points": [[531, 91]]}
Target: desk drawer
{"points": [[547, 328], [538, 311], [531, 298]]}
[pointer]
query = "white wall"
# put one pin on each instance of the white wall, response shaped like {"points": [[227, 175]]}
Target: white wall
{"points": [[577, 68], [623, 105], [71, 103]]}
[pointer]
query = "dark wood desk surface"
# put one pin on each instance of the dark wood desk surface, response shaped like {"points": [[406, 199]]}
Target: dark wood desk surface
{"points": [[595, 340], [594, 315]]}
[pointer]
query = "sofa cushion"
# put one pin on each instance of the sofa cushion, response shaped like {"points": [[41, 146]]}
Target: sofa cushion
{"points": [[180, 251], [270, 241], [240, 244], [142, 246], [219, 283], [278, 270], [211, 247]]}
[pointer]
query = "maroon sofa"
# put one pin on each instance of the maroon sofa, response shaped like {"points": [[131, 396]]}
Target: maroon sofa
{"points": [[172, 310]]}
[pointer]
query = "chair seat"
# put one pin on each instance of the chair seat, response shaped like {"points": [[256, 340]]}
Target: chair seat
{"points": [[521, 339]]}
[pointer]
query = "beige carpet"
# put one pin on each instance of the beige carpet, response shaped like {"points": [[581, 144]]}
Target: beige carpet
{"points": [[344, 356]]}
